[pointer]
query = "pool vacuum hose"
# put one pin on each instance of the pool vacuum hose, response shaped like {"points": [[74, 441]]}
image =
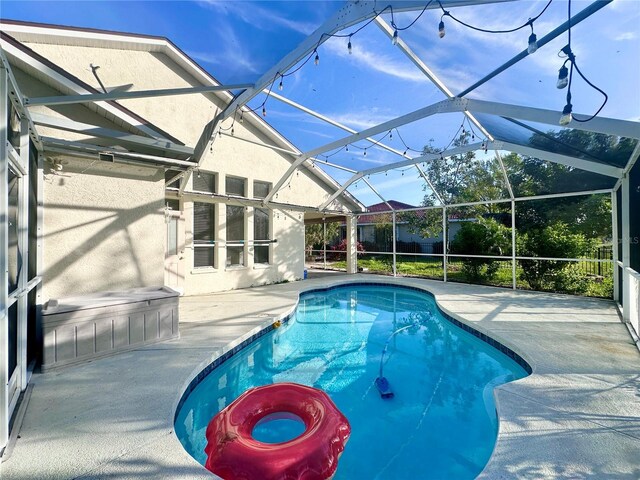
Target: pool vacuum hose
{"points": [[382, 384]]}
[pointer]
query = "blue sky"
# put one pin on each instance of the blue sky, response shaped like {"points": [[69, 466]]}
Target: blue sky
{"points": [[236, 41]]}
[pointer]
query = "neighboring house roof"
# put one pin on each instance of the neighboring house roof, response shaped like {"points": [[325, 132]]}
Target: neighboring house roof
{"points": [[64, 35], [382, 207]]}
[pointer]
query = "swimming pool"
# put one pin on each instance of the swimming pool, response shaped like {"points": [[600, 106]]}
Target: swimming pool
{"points": [[441, 422]]}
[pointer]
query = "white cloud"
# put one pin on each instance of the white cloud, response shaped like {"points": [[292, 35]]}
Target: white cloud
{"points": [[317, 133], [625, 36], [361, 120], [379, 63], [257, 16], [233, 55]]}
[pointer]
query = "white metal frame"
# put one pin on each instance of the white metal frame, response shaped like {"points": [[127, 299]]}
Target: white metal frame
{"points": [[11, 387], [352, 13], [4, 247]]}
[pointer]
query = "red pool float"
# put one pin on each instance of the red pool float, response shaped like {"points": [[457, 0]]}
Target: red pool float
{"points": [[233, 453]]}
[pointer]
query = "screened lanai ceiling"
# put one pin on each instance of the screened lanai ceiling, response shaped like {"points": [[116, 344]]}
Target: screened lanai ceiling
{"points": [[362, 107]]}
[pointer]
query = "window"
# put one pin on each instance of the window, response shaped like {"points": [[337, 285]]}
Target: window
{"points": [[204, 182], [203, 234], [261, 235], [235, 235], [235, 186], [261, 189]]}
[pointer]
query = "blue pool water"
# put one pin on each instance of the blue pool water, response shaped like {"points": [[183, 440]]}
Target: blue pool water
{"points": [[441, 423]]}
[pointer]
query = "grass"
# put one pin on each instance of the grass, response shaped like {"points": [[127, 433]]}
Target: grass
{"points": [[426, 267]]}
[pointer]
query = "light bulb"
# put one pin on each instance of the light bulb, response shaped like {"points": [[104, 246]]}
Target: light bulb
{"points": [[232, 131], [241, 117], [404, 153], [346, 149], [566, 117], [403, 173], [394, 39], [533, 43], [390, 135], [199, 174], [317, 59], [349, 47], [264, 112], [563, 77], [441, 31], [365, 152], [280, 86]]}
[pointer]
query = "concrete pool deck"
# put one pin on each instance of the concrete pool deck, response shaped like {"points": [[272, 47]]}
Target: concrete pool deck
{"points": [[577, 416]]}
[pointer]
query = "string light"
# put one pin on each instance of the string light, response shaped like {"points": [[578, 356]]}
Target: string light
{"points": [[280, 86], [533, 42], [566, 78], [264, 111], [317, 59], [349, 48], [365, 152], [232, 131], [567, 116], [394, 39], [346, 148], [241, 116], [532, 45], [563, 77], [390, 135]]}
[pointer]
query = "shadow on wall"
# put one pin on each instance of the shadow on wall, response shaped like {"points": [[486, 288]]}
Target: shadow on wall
{"points": [[89, 247]]}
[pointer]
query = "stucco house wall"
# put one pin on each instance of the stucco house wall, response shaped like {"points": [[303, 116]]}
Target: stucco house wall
{"points": [[101, 228], [131, 255]]}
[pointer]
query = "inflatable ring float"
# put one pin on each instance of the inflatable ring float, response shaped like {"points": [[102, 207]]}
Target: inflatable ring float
{"points": [[233, 453]]}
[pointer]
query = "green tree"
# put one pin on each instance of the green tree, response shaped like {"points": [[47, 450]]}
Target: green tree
{"points": [[588, 215], [314, 235], [484, 237], [459, 179], [553, 241]]}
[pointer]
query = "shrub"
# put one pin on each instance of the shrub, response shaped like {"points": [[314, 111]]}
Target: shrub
{"points": [[554, 241], [342, 247], [484, 237]]}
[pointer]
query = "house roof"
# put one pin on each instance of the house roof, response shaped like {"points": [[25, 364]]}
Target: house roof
{"points": [[382, 207], [64, 35]]}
